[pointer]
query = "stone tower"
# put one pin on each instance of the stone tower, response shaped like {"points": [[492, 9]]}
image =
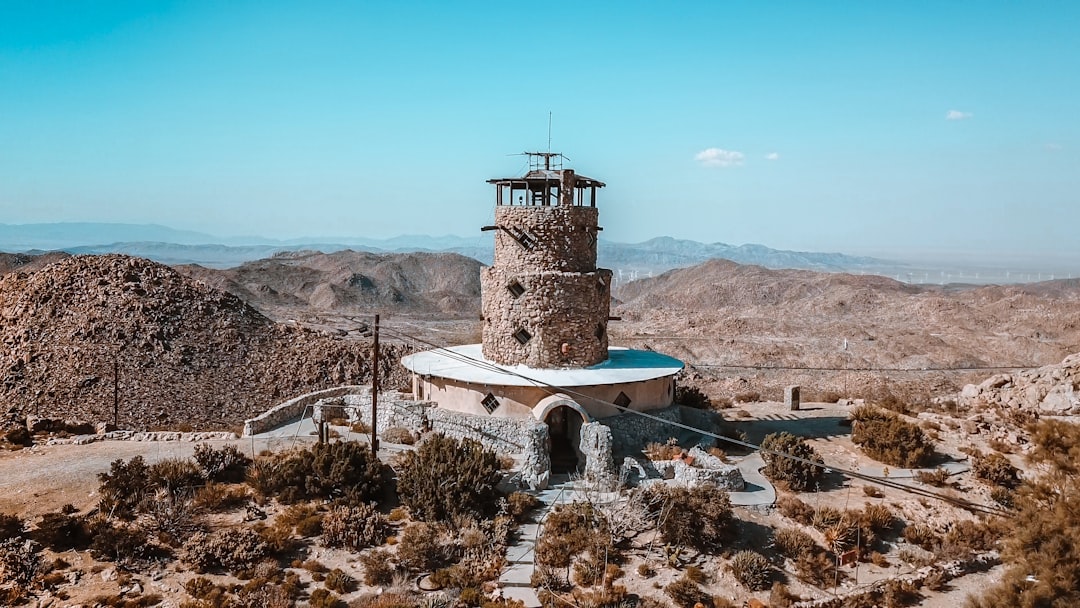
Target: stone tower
{"points": [[545, 303]]}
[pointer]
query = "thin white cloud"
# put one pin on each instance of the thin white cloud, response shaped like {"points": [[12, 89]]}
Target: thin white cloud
{"points": [[958, 115], [772, 156], [715, 157]]}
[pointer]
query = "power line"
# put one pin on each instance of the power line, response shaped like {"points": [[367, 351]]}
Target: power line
{"points": [[551, 389]]}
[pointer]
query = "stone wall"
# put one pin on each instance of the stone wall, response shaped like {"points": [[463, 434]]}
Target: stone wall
{"points": [[292, 409], [564, 238], [556, 308], [632, 432]]}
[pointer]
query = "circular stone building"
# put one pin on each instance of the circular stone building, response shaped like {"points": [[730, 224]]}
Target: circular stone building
{"points": [[546, 308]]}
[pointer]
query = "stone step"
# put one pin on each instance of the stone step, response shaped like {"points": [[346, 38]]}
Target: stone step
{"points": [[526, 595], [517, 575]]}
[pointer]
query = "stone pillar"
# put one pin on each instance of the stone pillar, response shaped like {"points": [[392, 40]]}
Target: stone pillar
{"points": [[536, 463], [596, 447], [791, 398]]}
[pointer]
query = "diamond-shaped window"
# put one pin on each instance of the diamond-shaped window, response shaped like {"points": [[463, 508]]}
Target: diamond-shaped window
{"points": [[522, 336], [515, 289], [622, 400], [526, 240], [490, 403]]}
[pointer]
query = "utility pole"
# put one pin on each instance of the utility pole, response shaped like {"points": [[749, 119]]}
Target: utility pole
{"points": [[375, 390], [116, 388]]}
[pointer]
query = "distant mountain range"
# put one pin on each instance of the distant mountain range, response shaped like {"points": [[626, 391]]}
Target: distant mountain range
{"points": [[170, 246]]}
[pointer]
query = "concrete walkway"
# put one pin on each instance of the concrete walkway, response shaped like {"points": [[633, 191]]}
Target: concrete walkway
{"points": [[759, 491]]}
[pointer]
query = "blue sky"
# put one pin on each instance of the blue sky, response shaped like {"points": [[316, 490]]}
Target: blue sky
{"points": [[858, 126]]}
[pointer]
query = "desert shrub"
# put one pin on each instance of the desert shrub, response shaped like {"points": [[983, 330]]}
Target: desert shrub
{"points": [[793, 508], [995, 469], [232, 550], [323, 598], [224, 465], [799, 476], [338, 580], [1002, 496], [818, 569], [826, 517], [217, 497], [126, 545], [698, 517], [11, 526], [123, 488], [752, 569], [172, 518], [782, 597], [878, 518], [344, 469], [692, 396], [872, 491], [886, 437], [177, 476], [18, 436], [965, 537], [419, 549], [1057, 443], [446, 477], [21, 563], [747, 397], [686, 593], [62, 531], [399, 434], [792, 542], [921, 535], [663, 451], [519, 504], [645, 570], [936, 477], [354, 527], [378, 568]]}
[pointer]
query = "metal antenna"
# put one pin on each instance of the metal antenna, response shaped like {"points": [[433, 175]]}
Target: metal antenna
{"points": [[549, 132]]}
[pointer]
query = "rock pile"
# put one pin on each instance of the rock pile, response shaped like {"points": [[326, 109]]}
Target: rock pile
{"points": [[174, 351], [1049, 390]]}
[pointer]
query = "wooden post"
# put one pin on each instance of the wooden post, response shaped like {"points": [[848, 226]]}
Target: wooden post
{"points": [[116, 388], [375, 391]]}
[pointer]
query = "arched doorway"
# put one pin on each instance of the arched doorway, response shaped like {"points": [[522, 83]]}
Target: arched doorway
{"points": [[564, 430]]}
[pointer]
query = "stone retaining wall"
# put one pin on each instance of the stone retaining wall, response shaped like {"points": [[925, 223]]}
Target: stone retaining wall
{"points": [[292, 409], [632, 432]]}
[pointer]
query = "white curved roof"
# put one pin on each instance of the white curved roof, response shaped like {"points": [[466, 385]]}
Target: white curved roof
{"points": [[467, 364]]}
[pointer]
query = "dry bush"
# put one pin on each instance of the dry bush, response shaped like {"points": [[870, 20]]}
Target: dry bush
{"points": [[747, 397], [752, 570], [399, 434], [361, 427], [687, 594], [663, 451], [219, 498], [792, 542], [127, 545], [123, 488], [520, 504], [886, 437], [379, 570], [698, 517], [818, 569], [793, 508], [826, 517], [966, 537], [419, 549], [232, 550], [224, 465], [21, 564], [922, 535], [354, 527], [776, 450], [936, 477], [995, 469], [338, 580], [1003, 496], [1056, 443], [179, 477], [878, 518], [446, 477], [323, 598], [782, 597], [872, 491], [692, 396], [344, 469], [11, 526], [171, 518]]}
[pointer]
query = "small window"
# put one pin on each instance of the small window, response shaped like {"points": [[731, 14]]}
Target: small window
{"points": [[515, 289], [600, 331], [522, 336], [622, 400], [490, 403]]}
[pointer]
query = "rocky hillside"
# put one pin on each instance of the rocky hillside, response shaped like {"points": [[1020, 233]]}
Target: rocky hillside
{"points": [[27, 262], [446, 285], [186, 353], [1051, 389]]}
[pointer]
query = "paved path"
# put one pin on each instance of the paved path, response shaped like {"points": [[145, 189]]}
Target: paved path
{"points": [[758, 490]]}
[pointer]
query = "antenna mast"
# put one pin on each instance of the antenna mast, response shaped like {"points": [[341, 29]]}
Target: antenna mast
{"points": [[549, 132]]}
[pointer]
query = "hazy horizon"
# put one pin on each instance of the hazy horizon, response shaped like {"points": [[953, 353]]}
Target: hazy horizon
{"points": [[861, 128]]}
